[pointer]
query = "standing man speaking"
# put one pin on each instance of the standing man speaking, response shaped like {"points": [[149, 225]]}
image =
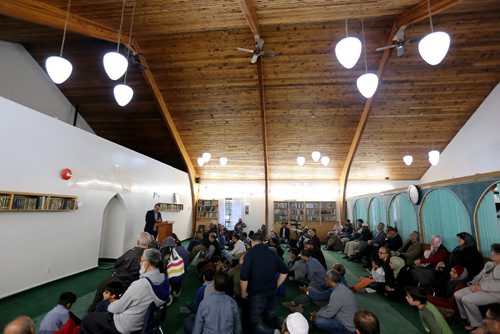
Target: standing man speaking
{"points": [[153, 217]]}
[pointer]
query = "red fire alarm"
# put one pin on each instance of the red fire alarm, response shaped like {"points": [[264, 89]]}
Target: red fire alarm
{"points": [[66, 174]]}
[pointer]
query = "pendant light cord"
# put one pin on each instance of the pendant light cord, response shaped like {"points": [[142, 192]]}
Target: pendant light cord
{"points": [[364, 45], [65, 26], [430, 16], [346, 31], [129, 39], [120, 30]]}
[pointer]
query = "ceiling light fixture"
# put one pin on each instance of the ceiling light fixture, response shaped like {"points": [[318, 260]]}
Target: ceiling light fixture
{"points": [[408, 159], [301, 161], [315, 155], [200, 161], [124, 93], [223, 161], [368, 82], [325, 160], [348, 50], [434, 157], [58, 68], [206, 157], [115, 64], [434, 46]]}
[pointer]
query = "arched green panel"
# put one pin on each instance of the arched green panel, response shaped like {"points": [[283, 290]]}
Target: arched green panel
{"points": [[443, 213], [376, 213], [359, 209], [487, 224], [402, 214]]}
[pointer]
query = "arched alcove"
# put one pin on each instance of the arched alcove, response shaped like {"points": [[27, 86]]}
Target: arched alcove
{"points": [[376, 213], [402, 215], [360, 211], [113, 228], [487, 219], [442, 212]]}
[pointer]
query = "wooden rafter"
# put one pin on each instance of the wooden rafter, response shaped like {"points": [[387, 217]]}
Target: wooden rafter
{"points": [[413, 15], [249, 12]]}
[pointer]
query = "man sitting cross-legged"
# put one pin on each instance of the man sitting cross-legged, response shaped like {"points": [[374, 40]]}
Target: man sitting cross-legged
{"points": [[126, 314], [219, 312], [126, 268]]}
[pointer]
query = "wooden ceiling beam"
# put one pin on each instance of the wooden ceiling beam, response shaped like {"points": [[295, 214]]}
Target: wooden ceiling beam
{"points": [[50, 16], [47, 15], [251, 17], [415, 14]]}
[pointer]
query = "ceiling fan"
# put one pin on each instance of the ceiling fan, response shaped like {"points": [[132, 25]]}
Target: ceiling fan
{"points": [[400, 42], [258, 51]]}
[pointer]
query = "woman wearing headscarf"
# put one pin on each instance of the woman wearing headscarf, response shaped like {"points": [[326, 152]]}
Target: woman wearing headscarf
{"points": [[444, 299]]}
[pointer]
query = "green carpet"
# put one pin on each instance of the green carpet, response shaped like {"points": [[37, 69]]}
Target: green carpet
{"points": [[394, 318]]}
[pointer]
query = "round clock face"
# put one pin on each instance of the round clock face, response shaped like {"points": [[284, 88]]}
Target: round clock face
{"points": [[413, 194]]}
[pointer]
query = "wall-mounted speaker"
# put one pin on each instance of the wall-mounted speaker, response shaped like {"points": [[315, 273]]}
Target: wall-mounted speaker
{"points": [[197, 179]]}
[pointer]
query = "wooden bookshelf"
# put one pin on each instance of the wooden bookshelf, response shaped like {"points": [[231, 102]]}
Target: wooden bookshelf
{"points": [[34, 202], [305, 212], [171, 207], [281, 211], [207, 212]]}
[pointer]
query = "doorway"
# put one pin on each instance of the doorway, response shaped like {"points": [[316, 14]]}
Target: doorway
{"points": [[113, 229]]}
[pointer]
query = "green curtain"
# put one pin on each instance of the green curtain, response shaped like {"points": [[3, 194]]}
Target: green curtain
{"points": [[403, 215], [359, 210], [376, 212], [443, 213], [488, 224]]}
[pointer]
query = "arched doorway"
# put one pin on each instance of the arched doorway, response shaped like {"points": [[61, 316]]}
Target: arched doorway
{"points": [[402, 215], [113, 229], [376, 213], [487, 219], [443, 213]]}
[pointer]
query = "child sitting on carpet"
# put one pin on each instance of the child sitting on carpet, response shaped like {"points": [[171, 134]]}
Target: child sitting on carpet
{"points": [[377, 275], [113, 291], [58, 316]]}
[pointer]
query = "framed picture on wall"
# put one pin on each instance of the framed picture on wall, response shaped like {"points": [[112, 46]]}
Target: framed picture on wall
{"points": [[247, 209]]}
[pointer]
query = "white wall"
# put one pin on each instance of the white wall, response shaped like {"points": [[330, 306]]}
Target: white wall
{"points": [[51, 245], [475, 149], [24, 82], [253, 193]]}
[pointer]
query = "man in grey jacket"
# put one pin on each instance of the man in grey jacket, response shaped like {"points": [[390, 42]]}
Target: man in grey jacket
{"points": [[126, 314], [338, 315]]}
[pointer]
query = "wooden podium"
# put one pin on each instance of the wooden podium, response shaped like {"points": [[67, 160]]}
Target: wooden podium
{"points": [[164, 230]]}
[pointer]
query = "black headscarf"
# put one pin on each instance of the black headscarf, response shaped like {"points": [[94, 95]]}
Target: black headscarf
{"points": [[469, 241]]}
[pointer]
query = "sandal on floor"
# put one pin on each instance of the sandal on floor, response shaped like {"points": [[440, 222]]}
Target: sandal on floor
{"points": [[469, 328]]}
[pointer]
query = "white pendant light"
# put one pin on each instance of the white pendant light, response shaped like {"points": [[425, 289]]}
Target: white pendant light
{"points": [[434, 157], [325, 160], [115, 65], [123, 94], [434, 46], [200, 161], [315, 155], [348, 50], [301, 161], [408, 159], [367, 84], [58, 68], [223, 161], [206, 157]]}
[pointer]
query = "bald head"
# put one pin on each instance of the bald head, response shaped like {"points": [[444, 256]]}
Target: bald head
{"points": [[20, 325]]}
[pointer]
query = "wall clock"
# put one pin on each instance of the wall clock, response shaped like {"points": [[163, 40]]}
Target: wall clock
{"points": [[413, 194]]}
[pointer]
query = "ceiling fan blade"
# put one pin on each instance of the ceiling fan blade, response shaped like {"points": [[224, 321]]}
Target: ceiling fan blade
{"points": [[385, 47], [259, 43], [400, 51], [269, 53], [414, 40], [254, 59], [244, 50]]}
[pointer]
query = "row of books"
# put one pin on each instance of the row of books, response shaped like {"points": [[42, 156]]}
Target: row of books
{"points": [[4, 202], [281, 205], [61, 204], [207, 215], [207, 209], [28, 203], [171, 207], [208, 203]]}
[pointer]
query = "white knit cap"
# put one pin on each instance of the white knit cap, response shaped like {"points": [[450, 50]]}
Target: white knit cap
{"points": [[297, 324]]}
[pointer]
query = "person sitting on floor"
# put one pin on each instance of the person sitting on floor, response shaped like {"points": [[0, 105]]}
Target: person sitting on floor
{"points": [[361, 241], [371, 246], [366, 322], [126, 268], [385, 256], [411, 250], [58, 316], [296, 267], [432, 320], [377, 275], [315, 252], [112, 292], [238, 248], [205, 291], [218, 313], [20, 325], [423, 273], [315, 271], [483, 289], [126, 314], [338, 315]]}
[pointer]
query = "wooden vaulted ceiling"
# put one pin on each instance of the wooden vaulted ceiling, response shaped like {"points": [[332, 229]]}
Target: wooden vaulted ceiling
{"points": [[211, 91]]}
